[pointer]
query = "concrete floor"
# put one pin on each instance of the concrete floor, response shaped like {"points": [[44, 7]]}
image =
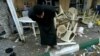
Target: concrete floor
{"points": [[32, 45]]}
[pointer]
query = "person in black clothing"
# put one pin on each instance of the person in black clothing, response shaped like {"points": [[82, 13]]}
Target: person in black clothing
{"points": [[44, 16]]}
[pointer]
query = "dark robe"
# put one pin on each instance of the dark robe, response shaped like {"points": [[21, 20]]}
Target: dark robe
{"points": [[46, 24]]}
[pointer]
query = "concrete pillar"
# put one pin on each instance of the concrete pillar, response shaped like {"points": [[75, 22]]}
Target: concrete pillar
{"points": [[89, 3], [65, 4]]}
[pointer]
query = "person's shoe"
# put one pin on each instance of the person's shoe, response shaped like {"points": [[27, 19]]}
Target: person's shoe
{"points": [[13, 54], [8, 50], [2, 33]]}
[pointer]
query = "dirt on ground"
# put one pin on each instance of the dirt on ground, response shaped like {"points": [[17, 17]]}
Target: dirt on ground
{"points": [[32, 47]]}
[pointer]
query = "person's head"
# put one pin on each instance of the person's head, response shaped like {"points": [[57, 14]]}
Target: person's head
{"points": [[38, 10]]}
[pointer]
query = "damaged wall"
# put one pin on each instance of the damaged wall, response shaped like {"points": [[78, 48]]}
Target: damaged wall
{"points": [[20, 4]]}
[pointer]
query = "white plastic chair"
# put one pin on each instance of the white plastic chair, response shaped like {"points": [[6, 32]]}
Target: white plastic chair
{"points": [[26, 19], [19, 21]]}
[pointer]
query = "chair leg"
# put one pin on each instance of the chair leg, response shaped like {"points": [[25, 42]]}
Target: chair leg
{"points": [[21, 33], [21, 27], [33, 27]]}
